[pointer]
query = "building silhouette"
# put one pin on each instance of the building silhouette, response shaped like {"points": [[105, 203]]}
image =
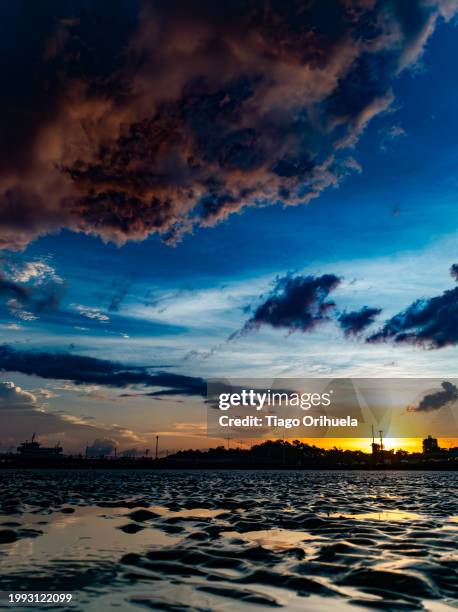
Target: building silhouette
{"points": [[430, 445], [377, 447]]}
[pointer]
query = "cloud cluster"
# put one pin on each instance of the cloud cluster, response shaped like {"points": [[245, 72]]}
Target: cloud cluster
{"points": [[123, 122], [91, 312], [297, 303], [101, 447], [437, 400], [14, 397], [38, 271], [28, 288], [354, 323], [431, 323], [90, 370], [300, 303], [22, 414]]}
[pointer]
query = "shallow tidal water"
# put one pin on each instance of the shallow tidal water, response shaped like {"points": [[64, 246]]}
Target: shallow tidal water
{"points": [[222, 540]]}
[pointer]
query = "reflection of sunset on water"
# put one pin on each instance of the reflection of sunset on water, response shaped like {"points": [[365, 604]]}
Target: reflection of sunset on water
{"points": [[301, 540]]}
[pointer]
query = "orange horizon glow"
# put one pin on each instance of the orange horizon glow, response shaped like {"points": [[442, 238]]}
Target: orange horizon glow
{"points": [[412, 445]]}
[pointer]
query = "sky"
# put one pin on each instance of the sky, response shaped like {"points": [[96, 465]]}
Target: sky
{"points": [[256, 190]]}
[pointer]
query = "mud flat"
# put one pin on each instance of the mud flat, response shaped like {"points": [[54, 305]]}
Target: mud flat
{"points": [[209, 540]]}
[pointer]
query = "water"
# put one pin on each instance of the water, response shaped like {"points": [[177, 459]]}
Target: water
{"points": [[207, 540]]}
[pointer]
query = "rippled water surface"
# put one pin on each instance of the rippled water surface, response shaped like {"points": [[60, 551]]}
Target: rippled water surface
{"points": [[233, 540]]}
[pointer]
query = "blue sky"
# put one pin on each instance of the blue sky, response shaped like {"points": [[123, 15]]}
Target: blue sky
{"points": [[400, 207], [388, 229]]}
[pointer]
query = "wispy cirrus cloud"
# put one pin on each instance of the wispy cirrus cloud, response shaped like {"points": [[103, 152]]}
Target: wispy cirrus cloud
{"points": [[91, 312], [390, 135]]}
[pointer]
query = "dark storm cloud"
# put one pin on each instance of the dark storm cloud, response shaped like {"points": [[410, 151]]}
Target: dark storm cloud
{"points": [[454, 271], [90, 370], [122, 119], [353, 323], [297, 303], [432, 323], [439, 399]]}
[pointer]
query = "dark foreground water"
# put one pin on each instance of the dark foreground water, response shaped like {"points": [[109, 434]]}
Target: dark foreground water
{"points": [[233, 540]]}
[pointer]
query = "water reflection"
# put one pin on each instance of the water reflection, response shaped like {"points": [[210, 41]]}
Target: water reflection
{"points": [[219, 540], [88, 534], [187, 513], [381, 515], [275, 539]]}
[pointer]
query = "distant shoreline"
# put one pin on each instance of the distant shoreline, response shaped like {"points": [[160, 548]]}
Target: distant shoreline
{"points": [[271, 454], [166, 466]]}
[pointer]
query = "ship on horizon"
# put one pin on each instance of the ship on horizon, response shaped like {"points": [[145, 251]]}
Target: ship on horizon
{"points": [[34, 450]]}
